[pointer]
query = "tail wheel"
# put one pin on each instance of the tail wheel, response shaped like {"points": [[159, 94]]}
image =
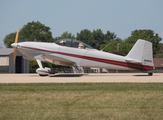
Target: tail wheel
{"points": [[150, 73]]}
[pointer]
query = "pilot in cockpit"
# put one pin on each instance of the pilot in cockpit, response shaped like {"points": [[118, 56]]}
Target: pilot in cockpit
{"points": [[63, 43], [81, 46]]}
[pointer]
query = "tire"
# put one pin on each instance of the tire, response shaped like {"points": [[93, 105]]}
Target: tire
{"points": [[42, 75], [150, 73]]}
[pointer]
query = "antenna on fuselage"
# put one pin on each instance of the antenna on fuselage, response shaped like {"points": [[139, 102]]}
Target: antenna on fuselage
{"points": [[105, 46]]}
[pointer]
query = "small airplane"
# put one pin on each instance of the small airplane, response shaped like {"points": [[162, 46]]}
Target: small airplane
{"points": [[72, 52]]}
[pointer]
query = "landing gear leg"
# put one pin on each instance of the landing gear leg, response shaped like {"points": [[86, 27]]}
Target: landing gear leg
{"points": [[39, 63], [43, 71], [82, 70], [78, 69], [74, 69]]}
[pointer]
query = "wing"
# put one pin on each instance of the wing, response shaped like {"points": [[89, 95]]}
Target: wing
{"points": [[57, 60]]}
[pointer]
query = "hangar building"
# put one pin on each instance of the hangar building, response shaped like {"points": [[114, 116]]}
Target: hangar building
{"points": [[7, 65]]}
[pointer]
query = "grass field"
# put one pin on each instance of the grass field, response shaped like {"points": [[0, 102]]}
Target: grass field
{"points": [[69, 101]]}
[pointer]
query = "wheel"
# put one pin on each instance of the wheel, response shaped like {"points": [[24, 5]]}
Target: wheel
{"points": [[150, 73], [42, 75]]}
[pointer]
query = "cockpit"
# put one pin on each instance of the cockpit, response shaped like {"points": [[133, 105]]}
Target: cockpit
{"points": [[73, 43]]}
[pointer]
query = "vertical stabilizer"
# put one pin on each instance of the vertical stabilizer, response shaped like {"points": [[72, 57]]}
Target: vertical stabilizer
{"points": [[141, 52]]}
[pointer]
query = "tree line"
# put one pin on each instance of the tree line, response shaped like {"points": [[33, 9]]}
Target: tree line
{"points": [[36, 31]]}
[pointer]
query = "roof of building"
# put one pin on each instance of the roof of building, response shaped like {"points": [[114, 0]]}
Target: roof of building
{"points": [[6, 51], [158, 62]]}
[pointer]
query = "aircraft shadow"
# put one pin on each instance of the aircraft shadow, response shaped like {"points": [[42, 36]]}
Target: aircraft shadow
{"points": [[66, 75], [140, 75]]}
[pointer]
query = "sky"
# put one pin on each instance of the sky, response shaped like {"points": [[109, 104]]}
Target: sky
{"points": [[118, 16]]}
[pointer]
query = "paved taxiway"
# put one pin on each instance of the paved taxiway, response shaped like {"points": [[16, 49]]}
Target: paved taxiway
{"points": [[69, 78]]}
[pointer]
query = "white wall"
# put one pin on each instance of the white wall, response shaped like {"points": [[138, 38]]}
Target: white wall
{"points": [[4, 61]]}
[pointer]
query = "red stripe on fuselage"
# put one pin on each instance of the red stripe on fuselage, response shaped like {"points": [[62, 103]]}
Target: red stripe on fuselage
{"points": [[113, 62]]}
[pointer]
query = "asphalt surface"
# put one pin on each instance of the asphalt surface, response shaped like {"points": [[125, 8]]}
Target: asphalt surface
{"points": [[80, 78]]}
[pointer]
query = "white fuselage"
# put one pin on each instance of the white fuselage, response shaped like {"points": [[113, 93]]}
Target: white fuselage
{"points": [[76, 56]]}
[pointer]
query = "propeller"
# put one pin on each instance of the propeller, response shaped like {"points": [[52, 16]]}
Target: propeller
{"points": [[16, 41]]}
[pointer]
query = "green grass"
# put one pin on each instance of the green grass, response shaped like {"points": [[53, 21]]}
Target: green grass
{"points": [[71, 101]]}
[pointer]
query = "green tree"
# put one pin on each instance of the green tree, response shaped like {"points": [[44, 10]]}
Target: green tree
{"points": [[148, 35], [159, 53], [126, 47], [95, 38], [98, 36], [9, 39], [101, 38], [67, 35], [33, 66], [56, 38], [109, 36], [112, 46], [35, 31], [86, 36]]}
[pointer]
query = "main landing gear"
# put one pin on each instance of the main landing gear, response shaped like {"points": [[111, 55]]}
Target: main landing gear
{"points": [[78, 69], [43, 71]]}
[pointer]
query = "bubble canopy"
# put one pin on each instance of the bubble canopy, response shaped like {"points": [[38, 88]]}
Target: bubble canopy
{"points": [[72, 43]]}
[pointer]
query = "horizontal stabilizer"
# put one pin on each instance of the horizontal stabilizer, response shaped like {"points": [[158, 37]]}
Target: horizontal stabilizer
{"points": [[133, 61]]}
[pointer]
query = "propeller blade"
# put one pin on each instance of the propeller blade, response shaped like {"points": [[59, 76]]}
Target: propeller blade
{"points": [[17, 34], [16, 41], [15, 51]]}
